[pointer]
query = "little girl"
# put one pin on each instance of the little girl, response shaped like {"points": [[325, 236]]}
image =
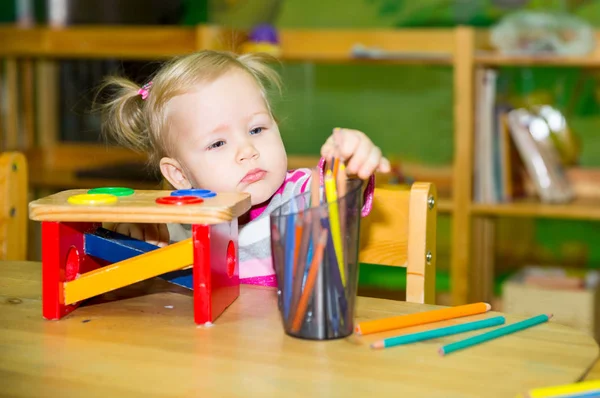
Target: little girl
{"points": [[206, 120]]}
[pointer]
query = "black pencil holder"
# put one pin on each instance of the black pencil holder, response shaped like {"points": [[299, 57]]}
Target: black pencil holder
{"points": [[315, 256]]}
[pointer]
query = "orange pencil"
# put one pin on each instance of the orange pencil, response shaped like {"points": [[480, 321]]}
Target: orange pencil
{"points": [[420, 318], [336, 166], [298, 236], [315, 187], [310, 282]]}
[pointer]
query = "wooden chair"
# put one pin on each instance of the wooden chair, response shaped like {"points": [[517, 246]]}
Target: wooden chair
{"points": [[13, 206], [401, 232]]}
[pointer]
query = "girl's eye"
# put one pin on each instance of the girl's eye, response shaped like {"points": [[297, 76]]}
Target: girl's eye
{"points": [[216, 145], [257, 130]]}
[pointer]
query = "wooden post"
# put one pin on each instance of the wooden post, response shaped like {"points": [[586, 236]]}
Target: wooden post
{"points": [[27, 105], [483, 259], [463, 162], [12, 105], [46, 81]]}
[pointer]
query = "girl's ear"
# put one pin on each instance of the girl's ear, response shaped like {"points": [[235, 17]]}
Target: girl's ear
{"points": [[171, 169]]}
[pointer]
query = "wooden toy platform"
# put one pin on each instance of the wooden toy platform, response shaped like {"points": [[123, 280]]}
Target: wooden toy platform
{"points": [[81, 259], [140, 207]]}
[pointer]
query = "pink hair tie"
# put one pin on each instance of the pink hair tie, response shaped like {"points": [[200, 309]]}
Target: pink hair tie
{"points": [[145, 90]]}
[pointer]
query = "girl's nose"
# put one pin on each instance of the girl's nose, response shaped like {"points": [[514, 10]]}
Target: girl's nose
{"points": [[247, 151]]}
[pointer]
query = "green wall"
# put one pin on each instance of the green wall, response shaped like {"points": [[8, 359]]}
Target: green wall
{"points": [[407, 110]]}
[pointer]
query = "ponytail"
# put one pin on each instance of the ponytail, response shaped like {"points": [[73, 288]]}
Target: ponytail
{"points": [[123, 117]]}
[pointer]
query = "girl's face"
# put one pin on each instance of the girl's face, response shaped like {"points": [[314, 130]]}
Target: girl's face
{"points": [[223, 138]]}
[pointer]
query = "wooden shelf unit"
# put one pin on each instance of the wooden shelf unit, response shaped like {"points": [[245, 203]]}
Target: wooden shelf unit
{"points": [[579, 209], [29, 65]]}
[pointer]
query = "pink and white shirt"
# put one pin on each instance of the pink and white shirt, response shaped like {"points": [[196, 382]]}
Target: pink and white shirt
{"points": [[254, 238]]}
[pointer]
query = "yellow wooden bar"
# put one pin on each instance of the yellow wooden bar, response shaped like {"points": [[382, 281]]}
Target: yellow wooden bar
{"points": [[170, 258]]}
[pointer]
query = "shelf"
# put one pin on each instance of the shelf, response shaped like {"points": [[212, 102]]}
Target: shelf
{"points": [[579, 209], [503, 60], [99, 42], [407, 46]]}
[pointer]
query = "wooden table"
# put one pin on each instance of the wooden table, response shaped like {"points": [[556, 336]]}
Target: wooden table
{"points": [[141, 341]]}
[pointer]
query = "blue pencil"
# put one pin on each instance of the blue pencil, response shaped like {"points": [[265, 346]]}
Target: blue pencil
{"points": [[503, 331], [290, 240], [439, 332]]}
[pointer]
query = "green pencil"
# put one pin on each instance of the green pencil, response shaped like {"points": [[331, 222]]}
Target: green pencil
{"points": [[503, 331], [439, 332]]}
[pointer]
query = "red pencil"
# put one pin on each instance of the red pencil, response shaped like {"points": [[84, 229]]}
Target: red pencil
{"points": [[310, 282]]}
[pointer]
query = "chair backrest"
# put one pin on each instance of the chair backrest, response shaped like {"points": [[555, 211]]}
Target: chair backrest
{"points": [[13, 206], [401, 232]]}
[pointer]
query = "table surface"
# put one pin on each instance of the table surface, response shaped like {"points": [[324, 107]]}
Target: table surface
{"points": [[141, 341]]}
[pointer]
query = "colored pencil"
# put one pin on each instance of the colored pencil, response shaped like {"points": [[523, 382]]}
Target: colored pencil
{"points": [[288, 268], [343, 210], [310, 282], [335, 289], [319, 304], [336, 167], [576, 390], [278, 254], [420, 318], [298, 240], [315, 202], [494, 334], [315, 188], [334, 222], [299, 271], [437, 333]]}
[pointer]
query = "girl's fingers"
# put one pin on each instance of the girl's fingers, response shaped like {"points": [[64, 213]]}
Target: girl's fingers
{"points": [[151, 233], [156, 234], [133, 230], [370, 164], [328, 148], [384, 166], [348, 142], [359, 157], [163, 235]]}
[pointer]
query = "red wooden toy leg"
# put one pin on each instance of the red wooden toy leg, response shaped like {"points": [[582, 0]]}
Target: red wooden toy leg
{"points": [[63, 258], [216, 269]]}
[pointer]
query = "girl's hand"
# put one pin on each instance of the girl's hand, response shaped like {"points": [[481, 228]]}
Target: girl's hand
{"points": [[156, 234], [361, 156]]}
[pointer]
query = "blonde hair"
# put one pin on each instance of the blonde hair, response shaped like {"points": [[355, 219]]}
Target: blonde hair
{"points": [[140, 124]]}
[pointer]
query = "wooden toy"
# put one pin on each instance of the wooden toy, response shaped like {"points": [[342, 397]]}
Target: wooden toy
{"points": [[81, 260]]}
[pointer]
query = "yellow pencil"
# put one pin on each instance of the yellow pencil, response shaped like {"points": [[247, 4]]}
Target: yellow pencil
{"points": [[584, 389], [334, 222]]}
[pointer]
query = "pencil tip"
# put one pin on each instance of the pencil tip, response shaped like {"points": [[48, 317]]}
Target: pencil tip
{"points": [[377, 345], [357, 330], [441, 351], [549, 316], [487, 307]]}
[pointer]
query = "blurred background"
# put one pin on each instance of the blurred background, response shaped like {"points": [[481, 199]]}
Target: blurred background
{"points": [[405, 109]]}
